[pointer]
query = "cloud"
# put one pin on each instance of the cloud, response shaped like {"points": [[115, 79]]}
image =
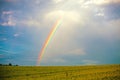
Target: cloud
{"points": [[101, 2], [7, 12], [30, 23], [11, 1], [77, 52], [62, 40], [100, 14], [4, 39], [9, 23], [57, 1], [77, 28], [54, 61], [82, 22], [7, 51], [108, 31], [89, 62], [16, 35], [7, 18]]}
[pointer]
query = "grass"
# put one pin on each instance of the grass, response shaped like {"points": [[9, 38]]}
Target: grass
{"points": [[98, 72]]}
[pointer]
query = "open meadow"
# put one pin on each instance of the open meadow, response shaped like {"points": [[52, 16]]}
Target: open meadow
{"points": [[97, 72]]}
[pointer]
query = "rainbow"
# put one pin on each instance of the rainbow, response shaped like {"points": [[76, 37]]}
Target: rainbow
{"points": [[48, 39]]}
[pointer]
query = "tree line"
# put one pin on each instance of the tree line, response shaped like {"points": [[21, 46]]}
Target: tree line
{"points": [[10, 64]]}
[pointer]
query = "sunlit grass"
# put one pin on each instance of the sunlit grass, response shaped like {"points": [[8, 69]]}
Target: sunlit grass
{"points": [[100, 72]]}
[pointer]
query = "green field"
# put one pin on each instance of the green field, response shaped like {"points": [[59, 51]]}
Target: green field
{"points": [[99, 72]]}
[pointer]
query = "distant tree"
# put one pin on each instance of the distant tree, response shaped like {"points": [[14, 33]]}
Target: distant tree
{"points": [[0, 64], [16, 65], [10, 64]]}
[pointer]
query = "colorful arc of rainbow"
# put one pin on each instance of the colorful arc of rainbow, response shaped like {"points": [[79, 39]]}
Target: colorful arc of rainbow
{"points": [[48, 39]]}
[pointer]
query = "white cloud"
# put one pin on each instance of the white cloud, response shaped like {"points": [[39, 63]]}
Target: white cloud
{"points": [[9, 23], [30, 23], [69, 18], [61, 41], [100, 14], [8, 19], [57, 1], [101, 2], [16, 35], [7, 12]]}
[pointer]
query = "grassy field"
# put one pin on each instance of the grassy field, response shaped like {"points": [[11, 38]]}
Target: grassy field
{"points": [[100, 72]]}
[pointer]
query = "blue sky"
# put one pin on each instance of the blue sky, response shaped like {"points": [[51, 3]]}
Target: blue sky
{"points": [[89, 32]]}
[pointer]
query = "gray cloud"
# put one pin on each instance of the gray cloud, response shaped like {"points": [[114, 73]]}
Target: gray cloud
{"points": [[90, 62], [81, 22]]}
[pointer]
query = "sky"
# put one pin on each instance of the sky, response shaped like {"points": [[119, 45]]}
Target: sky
{"points": [[88, 34]]}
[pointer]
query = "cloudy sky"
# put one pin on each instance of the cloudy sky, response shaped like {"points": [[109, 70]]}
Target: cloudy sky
{"points": [[88, 34]]}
